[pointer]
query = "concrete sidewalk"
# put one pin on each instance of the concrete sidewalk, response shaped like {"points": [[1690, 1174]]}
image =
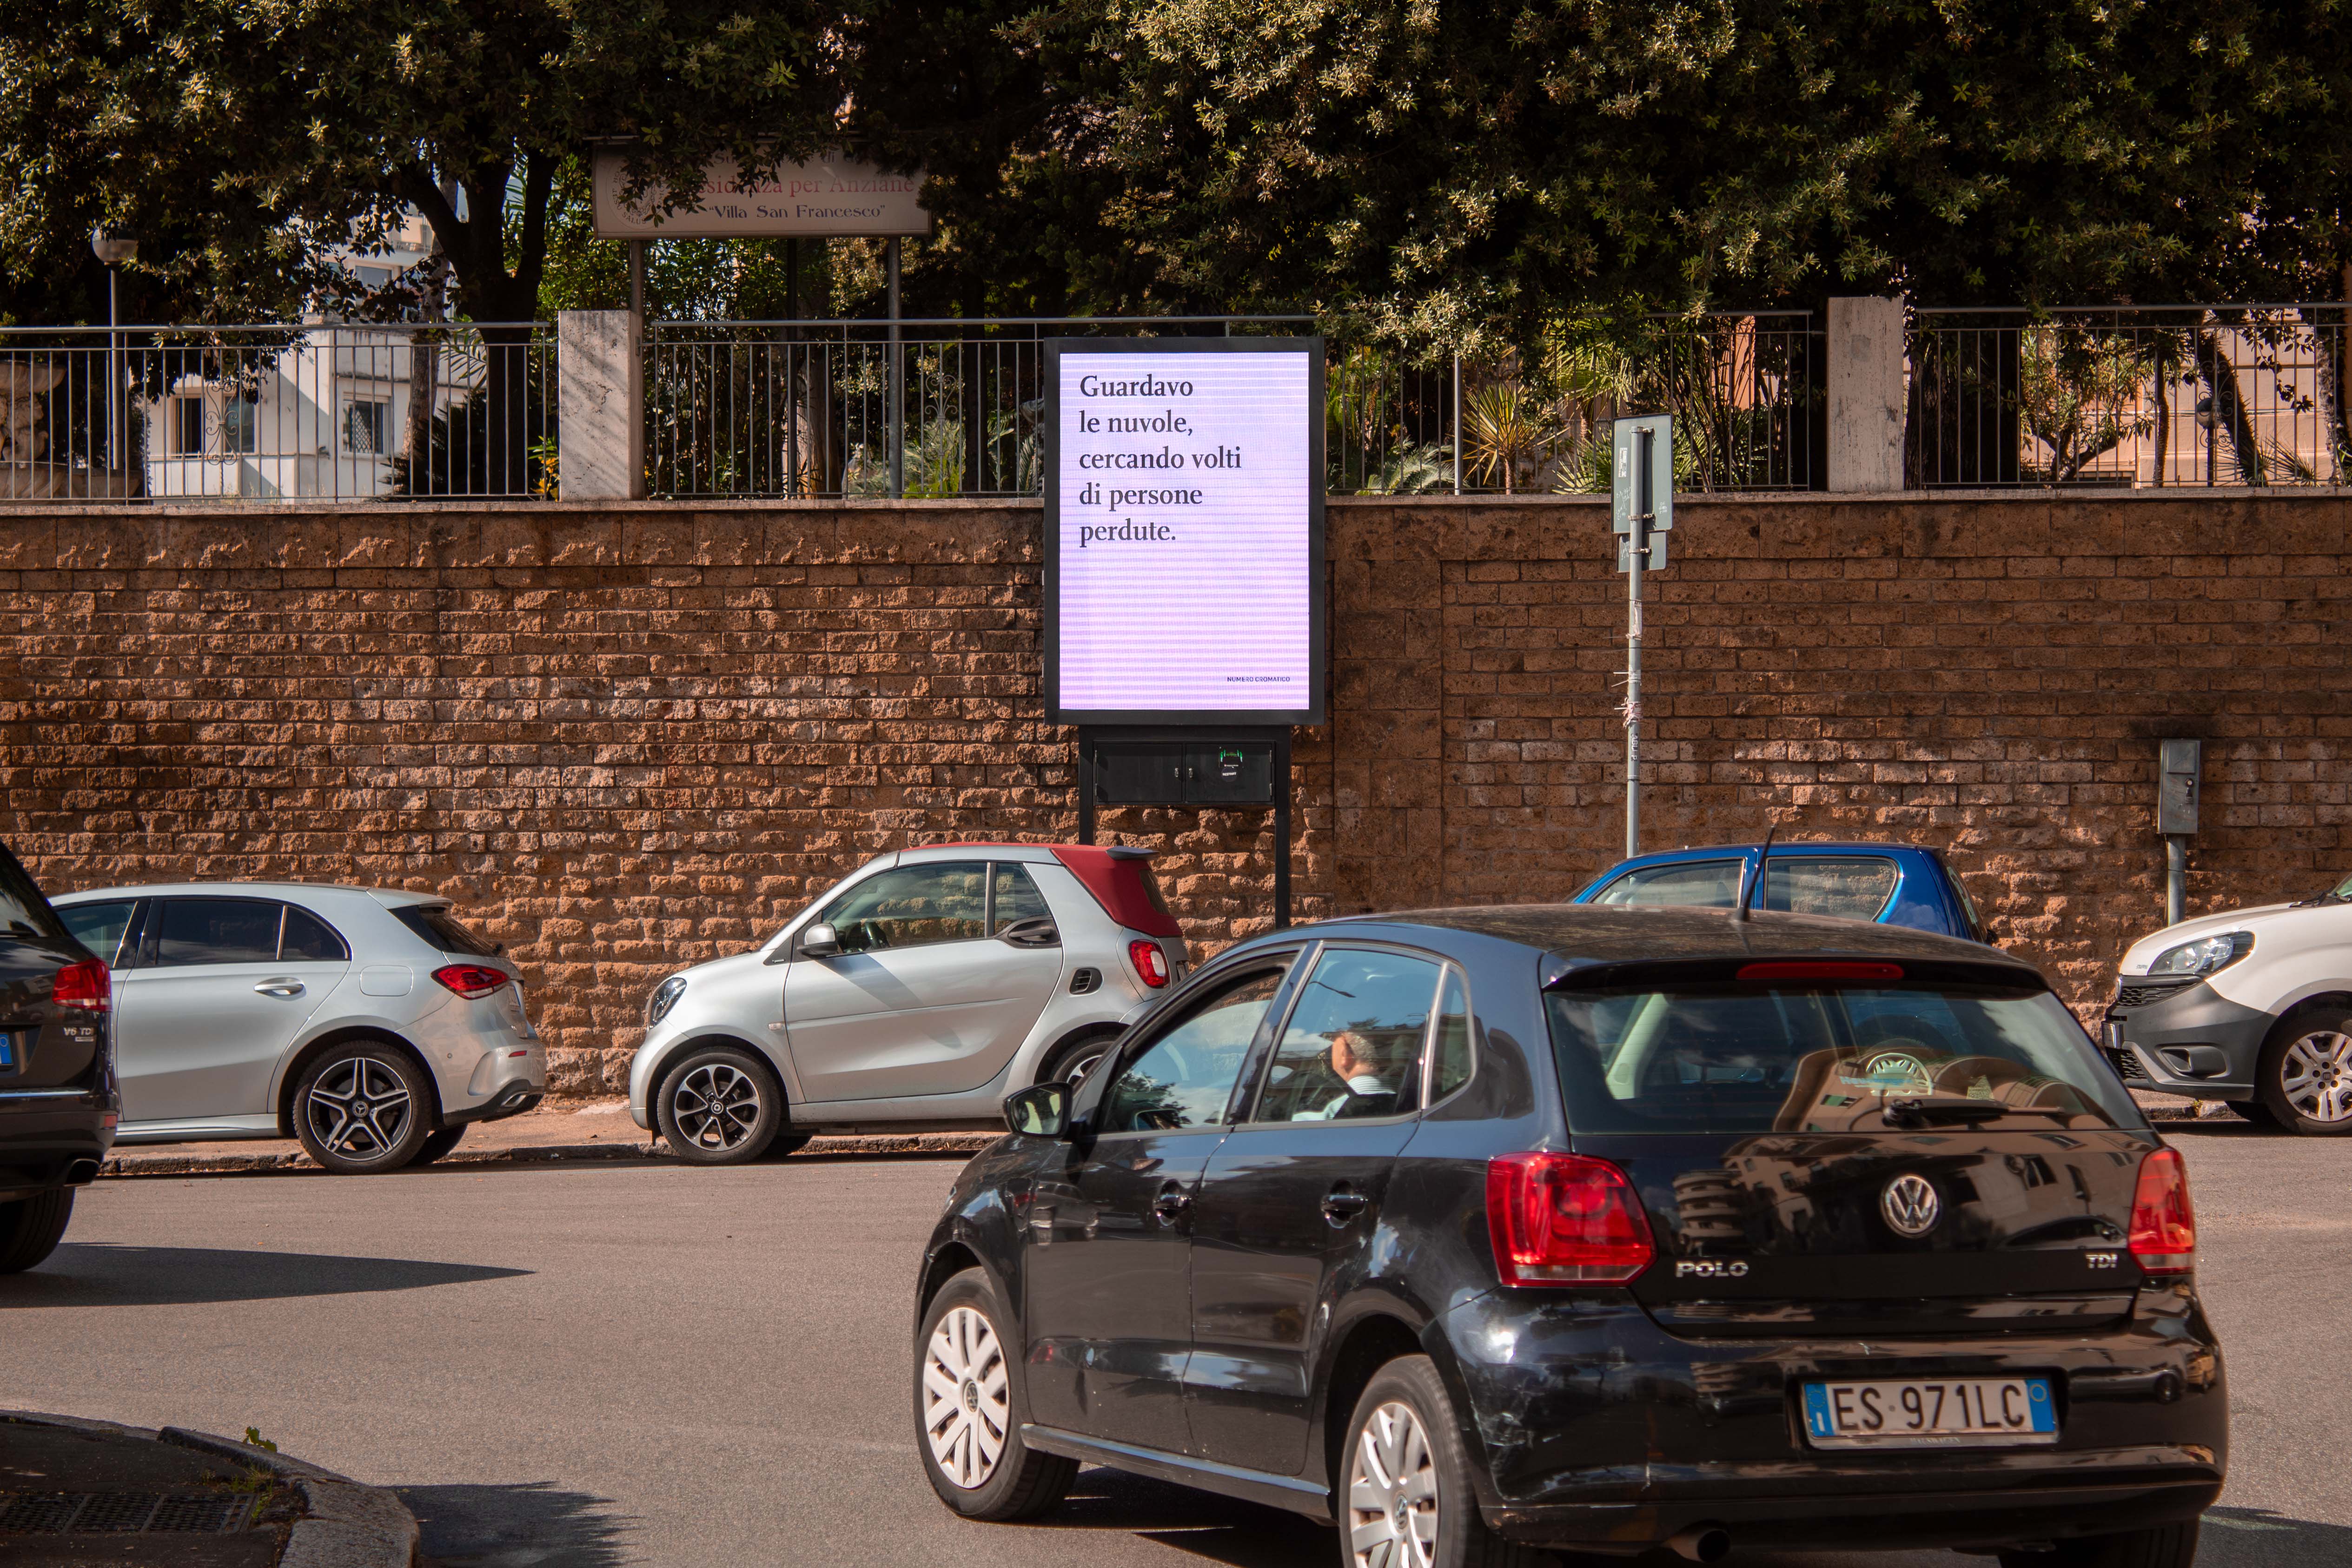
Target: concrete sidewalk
{"points": [[559, 1131], [75, 1492]]}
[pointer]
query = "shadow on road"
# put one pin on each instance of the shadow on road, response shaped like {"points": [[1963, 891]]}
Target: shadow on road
{"points": [[95, 1274], [2245, 1537], [530, 1525], [1221, 1530]]}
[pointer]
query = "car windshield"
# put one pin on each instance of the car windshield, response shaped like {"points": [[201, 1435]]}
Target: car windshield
{"points": [[1763, 1058], [23, 911], [2341, 889]]}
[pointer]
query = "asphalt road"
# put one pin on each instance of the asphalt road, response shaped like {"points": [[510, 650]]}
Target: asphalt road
{"points": [[644, 1364]]}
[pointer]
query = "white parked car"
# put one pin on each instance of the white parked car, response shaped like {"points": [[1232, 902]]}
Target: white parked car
{"points": [[918, 991], [2254, 1007], [372, 1024]]}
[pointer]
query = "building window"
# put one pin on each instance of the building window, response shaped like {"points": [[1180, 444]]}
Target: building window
{"points": [[241, 424], [363, 426], [188, 426]]}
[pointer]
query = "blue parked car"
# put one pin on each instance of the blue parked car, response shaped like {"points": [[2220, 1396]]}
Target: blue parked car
{"points": [[1895, 884]]}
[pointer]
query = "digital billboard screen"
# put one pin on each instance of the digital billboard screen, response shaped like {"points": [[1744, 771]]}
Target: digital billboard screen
{"points": [[1184, 532]]}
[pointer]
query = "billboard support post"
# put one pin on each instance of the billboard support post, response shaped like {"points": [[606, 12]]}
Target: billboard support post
{"points": [[893, 392]]}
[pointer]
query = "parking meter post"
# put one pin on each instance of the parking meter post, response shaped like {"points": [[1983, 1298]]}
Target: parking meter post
{"points": [[2175, 878]]}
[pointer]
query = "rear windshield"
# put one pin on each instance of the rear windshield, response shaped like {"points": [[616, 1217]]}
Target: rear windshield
{"points": [[1761, 1059], [23, 911], [1849, 887], [443, 930]]}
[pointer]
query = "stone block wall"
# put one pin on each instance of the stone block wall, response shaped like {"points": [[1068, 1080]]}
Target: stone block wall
{"points": [[630, 737]]}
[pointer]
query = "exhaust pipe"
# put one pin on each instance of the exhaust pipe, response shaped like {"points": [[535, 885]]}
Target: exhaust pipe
{"points": [[81, 1173], [1701, 1544]]}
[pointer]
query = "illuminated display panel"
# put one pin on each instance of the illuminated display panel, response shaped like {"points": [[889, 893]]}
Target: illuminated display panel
{"points": [[1184, 532]]}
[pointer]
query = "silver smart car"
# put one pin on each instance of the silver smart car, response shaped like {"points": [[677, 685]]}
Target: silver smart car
{"points": [[918, 991], [369, 1023]]}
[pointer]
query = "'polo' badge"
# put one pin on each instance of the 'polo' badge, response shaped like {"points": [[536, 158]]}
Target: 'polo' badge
{"points": [[1910, 1205]]}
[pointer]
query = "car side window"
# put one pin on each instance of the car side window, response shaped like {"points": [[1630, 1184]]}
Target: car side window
{"points": [[1185, 1077], [1715, 882], [913, 906], [100, 927], [1353, 1045], [1449, 1068], [194, 931], [1845, 887], [1018, 899], [307, 936]]}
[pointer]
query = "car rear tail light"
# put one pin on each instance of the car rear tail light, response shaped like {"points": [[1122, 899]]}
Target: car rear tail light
{"points": [[1835, 971], [472, 981], [85, 986], [1565, 1219], [1150, 963], [2163, 1224]]}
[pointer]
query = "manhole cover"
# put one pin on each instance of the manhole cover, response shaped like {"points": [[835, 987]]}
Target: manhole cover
{"points": [[122, 1513]]}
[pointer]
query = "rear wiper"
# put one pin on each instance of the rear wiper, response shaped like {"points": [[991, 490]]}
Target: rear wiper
{"points": [[1931, 1112]]}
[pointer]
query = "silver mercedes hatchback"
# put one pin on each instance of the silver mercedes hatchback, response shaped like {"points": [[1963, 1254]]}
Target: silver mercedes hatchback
{"points": [[916, 993], [369, 1023]]}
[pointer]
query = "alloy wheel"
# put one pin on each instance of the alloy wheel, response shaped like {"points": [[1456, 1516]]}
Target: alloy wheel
{"points": [[2317, 1076], [715, 1107], [359, 1109], [1085, 1063], [1392, 1492], [967, 1398]]}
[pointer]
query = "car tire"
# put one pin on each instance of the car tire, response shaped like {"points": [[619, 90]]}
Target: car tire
{"points": [[2166, 1546], [1074, 1060], [2304, 1077], [718, 1105], [968, 1398], [1402, 1468], [31, 1227], [440, 1142], [362, 1108]]}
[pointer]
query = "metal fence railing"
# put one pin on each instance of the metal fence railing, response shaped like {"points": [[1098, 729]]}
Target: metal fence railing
{"points": [[934, 408], [2130, 396], [264, 412], [921, 408]]}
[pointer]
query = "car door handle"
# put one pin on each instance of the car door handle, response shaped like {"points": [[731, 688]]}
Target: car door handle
{"points": [[1342, 1204], [279, 989], [1170, 1205]]}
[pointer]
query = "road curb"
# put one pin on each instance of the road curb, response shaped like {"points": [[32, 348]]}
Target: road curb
{"points": [[296, 1163], [346, 1524]]}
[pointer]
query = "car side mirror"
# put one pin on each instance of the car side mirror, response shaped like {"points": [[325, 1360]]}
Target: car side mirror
{"points": [[1037, 931], [820, 941], [1040, 1110]]}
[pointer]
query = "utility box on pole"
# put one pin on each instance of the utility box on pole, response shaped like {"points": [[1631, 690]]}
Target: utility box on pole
{"points": [[2179, 765]]}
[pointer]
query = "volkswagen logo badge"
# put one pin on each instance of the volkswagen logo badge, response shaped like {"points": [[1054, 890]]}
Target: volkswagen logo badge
{"points": [[1910, 1205]]}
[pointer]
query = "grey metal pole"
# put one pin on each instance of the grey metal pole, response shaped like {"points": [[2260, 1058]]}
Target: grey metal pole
{"points": [[1457, 425], [1637, 557], [114, 459], [2176, 878], [897, 411]]}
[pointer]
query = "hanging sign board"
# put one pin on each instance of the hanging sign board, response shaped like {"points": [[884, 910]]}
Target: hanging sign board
{"points": [[1632, 492], [1184, 530], [829, 198]]}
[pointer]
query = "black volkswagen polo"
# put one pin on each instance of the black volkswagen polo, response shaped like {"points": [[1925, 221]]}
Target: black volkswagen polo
{"points": [[1601, 1229]]}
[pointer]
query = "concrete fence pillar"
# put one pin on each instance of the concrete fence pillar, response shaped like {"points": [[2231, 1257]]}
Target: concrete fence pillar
{"points": [[600, 372], [1866, 395]]}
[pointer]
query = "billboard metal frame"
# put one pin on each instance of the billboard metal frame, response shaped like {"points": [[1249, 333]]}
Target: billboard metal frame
{"points": [[1318, 680]]}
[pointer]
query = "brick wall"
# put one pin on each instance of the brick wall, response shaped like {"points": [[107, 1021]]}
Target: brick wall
{"points": [[629, 737]]}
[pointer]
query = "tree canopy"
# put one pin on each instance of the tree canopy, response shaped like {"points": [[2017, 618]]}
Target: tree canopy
{"points": [[1422, 169]]}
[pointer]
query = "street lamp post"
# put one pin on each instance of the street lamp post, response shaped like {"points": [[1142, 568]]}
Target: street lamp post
{"points": [[114, 247]]}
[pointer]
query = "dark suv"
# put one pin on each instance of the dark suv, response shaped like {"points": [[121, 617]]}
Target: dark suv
{"points": [[58, 1100], [1591, 1228]]}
